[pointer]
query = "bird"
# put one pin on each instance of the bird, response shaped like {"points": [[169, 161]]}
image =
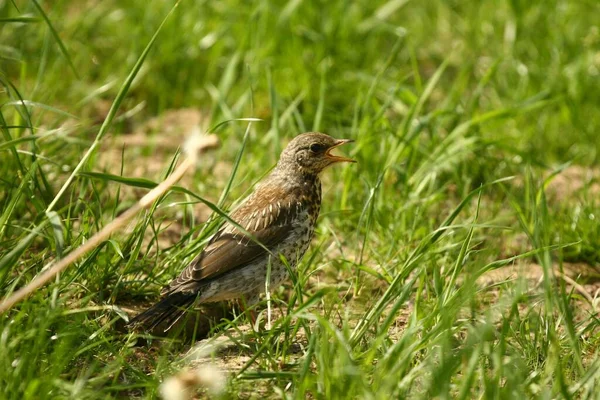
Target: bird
{"points": [[276, 220]]}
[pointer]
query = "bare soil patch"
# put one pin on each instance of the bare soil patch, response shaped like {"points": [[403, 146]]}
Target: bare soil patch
{"points": [[572, 180]]}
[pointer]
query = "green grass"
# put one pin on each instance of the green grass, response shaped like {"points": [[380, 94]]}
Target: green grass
{"points": [[465, 114]]}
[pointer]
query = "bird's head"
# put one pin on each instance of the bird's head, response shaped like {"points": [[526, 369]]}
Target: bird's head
{"points": [[311, 153]]}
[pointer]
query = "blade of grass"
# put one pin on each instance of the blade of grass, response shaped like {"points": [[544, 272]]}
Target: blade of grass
{"points": [[236, 164], [19, 192], [113, 110], [60, 43], [20, 19], [321, 104], [375, 312], [51, 270]]}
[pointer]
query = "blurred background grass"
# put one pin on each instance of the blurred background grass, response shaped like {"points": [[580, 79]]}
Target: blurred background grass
{"points": [[211, 55], [442, 97]]}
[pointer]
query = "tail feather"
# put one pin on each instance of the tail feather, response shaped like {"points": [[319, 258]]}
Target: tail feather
{"points": [[169, 310]]}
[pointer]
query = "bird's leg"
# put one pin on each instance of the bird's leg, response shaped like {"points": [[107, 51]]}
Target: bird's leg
{"points": [[247, 310], [247, 304]]}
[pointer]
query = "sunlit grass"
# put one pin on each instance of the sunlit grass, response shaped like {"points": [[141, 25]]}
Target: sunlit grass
{"points": [[464, 115]]}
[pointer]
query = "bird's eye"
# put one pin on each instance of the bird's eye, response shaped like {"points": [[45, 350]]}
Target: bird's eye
{"points": [[317, 148]]}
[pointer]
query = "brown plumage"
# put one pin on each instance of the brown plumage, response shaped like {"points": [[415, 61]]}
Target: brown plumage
{"points": [[280, 216]]}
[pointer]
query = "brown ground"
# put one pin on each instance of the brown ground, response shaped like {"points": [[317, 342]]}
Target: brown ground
{"points": [[572, 180]]}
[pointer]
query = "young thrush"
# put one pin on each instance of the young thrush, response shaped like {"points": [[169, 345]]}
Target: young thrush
{"points": [[278, 219]]}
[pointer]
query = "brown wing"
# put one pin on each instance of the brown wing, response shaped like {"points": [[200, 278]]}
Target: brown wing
{"points": [[267, 215]]}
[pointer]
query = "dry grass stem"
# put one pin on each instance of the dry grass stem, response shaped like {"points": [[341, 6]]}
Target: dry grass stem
{"points": [[194, 147]]}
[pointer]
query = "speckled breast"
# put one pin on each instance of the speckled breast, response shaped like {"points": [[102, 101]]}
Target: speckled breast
{"points": [[294, 247]]}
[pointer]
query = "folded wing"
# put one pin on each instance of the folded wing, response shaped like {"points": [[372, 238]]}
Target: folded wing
{"points": [[268, 217]]}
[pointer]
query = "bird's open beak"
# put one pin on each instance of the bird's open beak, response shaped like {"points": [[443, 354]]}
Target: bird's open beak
{"points": [[335, 158]]}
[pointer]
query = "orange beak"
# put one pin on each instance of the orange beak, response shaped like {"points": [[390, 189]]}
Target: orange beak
{"points": [[335, 158]]}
